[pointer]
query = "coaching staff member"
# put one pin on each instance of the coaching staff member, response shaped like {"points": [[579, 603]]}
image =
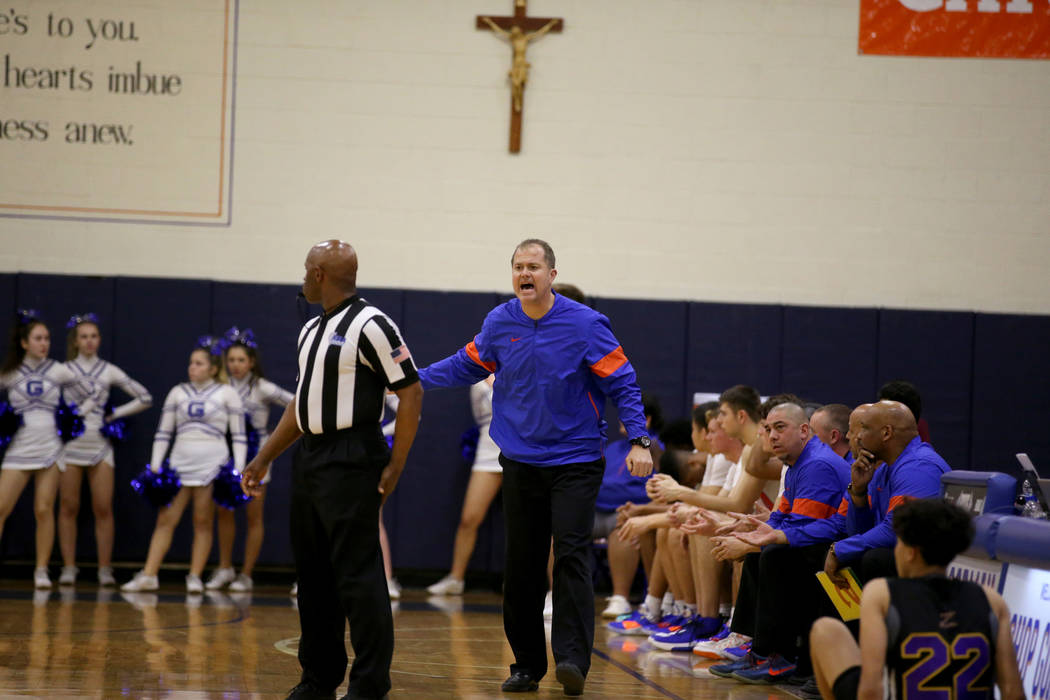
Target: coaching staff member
{"points": [[342, 473], [555, 361]]}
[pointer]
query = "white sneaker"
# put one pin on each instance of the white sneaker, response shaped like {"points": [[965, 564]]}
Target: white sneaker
{"points": [[68, 576], [717, 650], [241, 584], [393, 588], [446, 586], [548, 606], [193, 584], [141, 582], [295, 590], [618, 605], [105, 576], [41, 578], [220, 578]]}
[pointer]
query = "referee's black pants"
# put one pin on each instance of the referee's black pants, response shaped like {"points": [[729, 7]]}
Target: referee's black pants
{"points": [[539, 502], [335, 539], [779, 598]]}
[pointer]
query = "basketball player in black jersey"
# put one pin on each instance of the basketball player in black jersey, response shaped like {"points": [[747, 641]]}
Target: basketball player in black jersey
{"points": [[930, 633]]}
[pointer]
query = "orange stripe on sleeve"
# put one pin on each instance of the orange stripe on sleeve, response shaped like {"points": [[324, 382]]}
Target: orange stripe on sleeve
{"points": [[812, 509], [472, 353], [844, 507], [896, 501], [610, 363], [782, 505]]}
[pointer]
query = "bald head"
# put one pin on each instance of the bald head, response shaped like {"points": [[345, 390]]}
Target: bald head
{"points": [[338, 260], [884, 428], [788, 411]]}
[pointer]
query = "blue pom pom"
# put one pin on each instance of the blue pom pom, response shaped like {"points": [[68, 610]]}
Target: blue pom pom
{"points": [[116, 431], [226, 489], [10, 422], [252, 436], [158, 488], [68, 421], [468, 444]]}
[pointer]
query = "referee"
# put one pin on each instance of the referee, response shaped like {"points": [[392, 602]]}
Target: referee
{"points": [[342, 473]]}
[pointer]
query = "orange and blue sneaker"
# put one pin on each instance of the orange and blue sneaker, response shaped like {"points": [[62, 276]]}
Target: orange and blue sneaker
{"points": [[775, 669], [635, 623], [737, 652], [727, 669], [685, 637]]}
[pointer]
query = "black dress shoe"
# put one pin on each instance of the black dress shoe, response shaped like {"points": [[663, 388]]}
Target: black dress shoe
{"points": [[570, 677], [519, 683], [308, 691]]}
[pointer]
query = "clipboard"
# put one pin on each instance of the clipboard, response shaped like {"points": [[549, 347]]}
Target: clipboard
{"points": [[846, 600]]}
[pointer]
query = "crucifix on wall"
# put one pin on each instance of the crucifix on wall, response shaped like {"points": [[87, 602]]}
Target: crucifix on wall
{"points": [[518, 30]]}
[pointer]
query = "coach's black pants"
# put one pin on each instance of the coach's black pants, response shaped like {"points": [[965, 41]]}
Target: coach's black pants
{"points": [[335, 539], [539, 502], [779, 598]]}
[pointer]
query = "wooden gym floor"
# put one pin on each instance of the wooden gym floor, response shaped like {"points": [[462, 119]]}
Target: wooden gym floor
{"points": [[85, 642]]}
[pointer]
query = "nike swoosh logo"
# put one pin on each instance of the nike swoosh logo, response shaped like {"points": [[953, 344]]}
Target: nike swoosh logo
{"points": [[514, 340]]}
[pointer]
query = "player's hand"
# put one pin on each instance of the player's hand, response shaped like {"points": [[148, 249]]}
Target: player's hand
{"points": [[639, 461], [739, 523], [251, 478], [831, 568], [730, 548], [700, 523], [633, 528], [680, 512], [762, 535]]}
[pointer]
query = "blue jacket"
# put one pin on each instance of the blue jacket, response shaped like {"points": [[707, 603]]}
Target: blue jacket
{"points": [[552, 377], [916, 473], [808, 508]]}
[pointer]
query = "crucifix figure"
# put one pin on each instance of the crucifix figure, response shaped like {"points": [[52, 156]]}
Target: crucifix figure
{"points": [[519, 30]]}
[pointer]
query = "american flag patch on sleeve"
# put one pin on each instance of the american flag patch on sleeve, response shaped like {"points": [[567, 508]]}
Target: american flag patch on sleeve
{"points": [[401, 354]]}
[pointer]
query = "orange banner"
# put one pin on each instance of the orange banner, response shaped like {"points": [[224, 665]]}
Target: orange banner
{"points": [[965, 28]]}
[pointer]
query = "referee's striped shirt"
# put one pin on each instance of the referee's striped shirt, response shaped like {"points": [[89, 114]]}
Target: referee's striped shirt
{"points": [[347, 359]]}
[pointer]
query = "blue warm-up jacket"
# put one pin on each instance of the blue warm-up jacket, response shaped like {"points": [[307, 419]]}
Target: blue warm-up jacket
{"points": [[552, 377]]}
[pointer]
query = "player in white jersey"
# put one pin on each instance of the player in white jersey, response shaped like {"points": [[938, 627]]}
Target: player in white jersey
{"points": [[486, 477], [196, 417], [92, 453], [34, 385], [257, 394]]}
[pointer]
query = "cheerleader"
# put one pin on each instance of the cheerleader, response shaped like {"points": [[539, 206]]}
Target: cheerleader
{"points": [[257, 394], [486, 477], [196, 417], [91, 453], [34, 384]]}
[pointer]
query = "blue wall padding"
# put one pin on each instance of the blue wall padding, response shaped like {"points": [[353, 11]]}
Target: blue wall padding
{"points": [[996, 364], [938, 347], [829, 355], [1011, 380]]}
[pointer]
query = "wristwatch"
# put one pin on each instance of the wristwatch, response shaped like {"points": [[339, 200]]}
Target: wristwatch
{"points": [[642, 441]]}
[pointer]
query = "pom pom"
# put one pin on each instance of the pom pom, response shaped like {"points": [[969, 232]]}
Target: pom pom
{"points": [[10, 422], [68, 421], [468, 444], [158, 488], [226, 489], [115, 431], [252, 436]]}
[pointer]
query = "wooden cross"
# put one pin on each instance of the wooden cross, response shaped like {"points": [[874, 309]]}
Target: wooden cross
{"points": [[518, 30]]}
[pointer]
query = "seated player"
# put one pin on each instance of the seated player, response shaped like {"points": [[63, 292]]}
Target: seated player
{"points": [[935, 636]]}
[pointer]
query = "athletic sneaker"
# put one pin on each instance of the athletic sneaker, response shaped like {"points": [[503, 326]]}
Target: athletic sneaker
{"points": [[737, 652], [634, 624], [775, 669], [727, 669], [41, 578], [220, 578], [68, 576], [241, 584], [618, 605], [106, 577], [141, 582], [686, 637], [718, 636], [716, 648], [194, 584], [446, 586]]}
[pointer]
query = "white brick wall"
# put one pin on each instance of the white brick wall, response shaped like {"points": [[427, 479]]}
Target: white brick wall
{"points": [[735, 150]]}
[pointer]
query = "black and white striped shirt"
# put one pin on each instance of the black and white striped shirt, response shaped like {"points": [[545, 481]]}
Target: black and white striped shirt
{"points": [[348, 357]]}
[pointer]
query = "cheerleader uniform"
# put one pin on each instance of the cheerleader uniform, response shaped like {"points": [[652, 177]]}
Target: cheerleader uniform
{"points": [[197, 417], [33, 390], [256, 395], [97, 377], [486, 459]]}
